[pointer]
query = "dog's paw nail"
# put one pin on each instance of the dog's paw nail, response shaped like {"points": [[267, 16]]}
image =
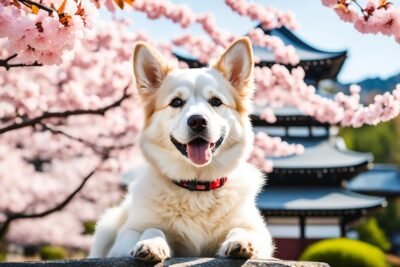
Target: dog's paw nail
{"points": [[152, 250], [238, 249], [143, 254]]}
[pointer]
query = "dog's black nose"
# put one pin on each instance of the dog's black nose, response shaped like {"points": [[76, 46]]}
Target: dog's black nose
{"points": [[197, 123]]}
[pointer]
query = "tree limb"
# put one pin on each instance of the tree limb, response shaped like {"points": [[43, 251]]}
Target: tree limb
{"points": [[16, 216], [6, 62], [7, 65], [102, 150], [10, 217], [65, 114], [30, 3]]}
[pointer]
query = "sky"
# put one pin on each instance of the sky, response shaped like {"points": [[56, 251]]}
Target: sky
{"points": [[368, 55]]}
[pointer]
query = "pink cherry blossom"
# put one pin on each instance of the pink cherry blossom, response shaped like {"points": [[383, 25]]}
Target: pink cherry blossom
{"points": [[376, 17], [269, 17], [33, 36]]}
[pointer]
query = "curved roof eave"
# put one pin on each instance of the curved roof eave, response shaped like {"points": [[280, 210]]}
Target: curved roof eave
{"points": [[298, 41], [312, 201], [382, 180], [322, 155]]}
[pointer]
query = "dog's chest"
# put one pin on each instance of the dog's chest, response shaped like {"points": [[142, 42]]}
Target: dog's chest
{"points": [[195, 222]]}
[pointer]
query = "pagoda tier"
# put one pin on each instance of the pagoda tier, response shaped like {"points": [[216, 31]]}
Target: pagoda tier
{"points": [[320, 202], [381, 180], [325, 161], [318, 64], [287, 117], [291, 201]]}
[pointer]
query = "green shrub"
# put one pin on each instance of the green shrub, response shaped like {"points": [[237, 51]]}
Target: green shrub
{"points": [[53, 253], [371, 233], [3, 251], [342, 252], [3, 257], [89, 227]]}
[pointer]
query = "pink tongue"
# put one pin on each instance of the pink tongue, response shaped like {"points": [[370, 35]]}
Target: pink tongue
{"points": [[199, 153]]}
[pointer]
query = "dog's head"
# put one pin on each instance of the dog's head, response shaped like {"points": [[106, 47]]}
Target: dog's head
{"points": [[196, 120]]}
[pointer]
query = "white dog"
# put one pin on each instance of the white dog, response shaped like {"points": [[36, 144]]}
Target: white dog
{"points": [[197, 195]]}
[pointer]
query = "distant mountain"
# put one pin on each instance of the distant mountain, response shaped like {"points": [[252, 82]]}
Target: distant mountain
{"points": [[378, 85], [370, 87]]}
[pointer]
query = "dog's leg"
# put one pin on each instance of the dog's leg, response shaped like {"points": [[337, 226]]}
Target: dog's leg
{"points": [[107, 229], [152, 246], [124, 243], [241, 243]]}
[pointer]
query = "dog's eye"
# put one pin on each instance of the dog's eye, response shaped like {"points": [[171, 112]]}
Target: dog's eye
{"points": [[176, 102], [215, 102]]}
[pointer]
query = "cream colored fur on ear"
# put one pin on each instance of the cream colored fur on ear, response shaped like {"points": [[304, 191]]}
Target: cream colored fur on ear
{"points": [[237, 64], [149, 67]]}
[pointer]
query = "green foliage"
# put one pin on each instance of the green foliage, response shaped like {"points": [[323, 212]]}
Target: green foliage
{"points": [[53, 253], [389, 218], [3, 250], [342, 252], [382, 140], [371, 233], [89, 227], [3, 257]]}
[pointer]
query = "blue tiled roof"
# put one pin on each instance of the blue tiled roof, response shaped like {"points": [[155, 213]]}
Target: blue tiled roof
{"points": [[314, 201], [381, 180], [330, 153]]}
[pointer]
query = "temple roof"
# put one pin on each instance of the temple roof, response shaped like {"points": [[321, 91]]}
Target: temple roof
{"points": [[305, 51], [325, 162], [318, 64], [382, 179], [322, 154], [286, 117], [315, 201]]}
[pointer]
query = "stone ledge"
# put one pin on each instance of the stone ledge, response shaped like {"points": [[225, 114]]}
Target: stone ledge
{"points": [[177, 262]]}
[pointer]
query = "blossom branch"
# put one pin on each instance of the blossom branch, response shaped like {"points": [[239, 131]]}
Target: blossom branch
{"points": [[102, 150], [65, 114], [30, 3], [7, 65], [359, 6], [17, 216], [376, 17]]}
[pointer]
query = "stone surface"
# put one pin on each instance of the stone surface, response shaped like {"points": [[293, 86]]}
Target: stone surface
{"points": [[176, 262]]}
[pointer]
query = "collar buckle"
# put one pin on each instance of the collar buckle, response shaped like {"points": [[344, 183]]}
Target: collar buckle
{"points": [[202, 186]]}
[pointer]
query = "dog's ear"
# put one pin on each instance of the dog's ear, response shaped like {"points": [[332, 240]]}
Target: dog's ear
{"points": [[237, 64], [149, 68]]}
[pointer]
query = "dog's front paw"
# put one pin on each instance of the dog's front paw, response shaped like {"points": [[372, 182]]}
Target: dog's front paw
{"points": [[154, 250], [243, 249]]}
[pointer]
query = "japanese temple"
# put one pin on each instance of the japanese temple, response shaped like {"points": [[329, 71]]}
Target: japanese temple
{"points": [[319, 65], [311, 196]]}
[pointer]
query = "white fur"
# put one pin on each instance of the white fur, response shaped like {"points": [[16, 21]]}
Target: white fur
{"points": [[158, 219]]}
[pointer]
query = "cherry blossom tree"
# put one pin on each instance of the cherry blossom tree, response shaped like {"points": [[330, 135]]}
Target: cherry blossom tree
{"points": [[69, 117], [66, 135]]}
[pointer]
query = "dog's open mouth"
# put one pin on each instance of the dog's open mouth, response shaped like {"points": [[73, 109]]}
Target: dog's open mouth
{"points": [[199, 151]]}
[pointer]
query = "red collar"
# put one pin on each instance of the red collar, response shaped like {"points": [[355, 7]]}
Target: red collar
{"points": [[202, 186]]}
